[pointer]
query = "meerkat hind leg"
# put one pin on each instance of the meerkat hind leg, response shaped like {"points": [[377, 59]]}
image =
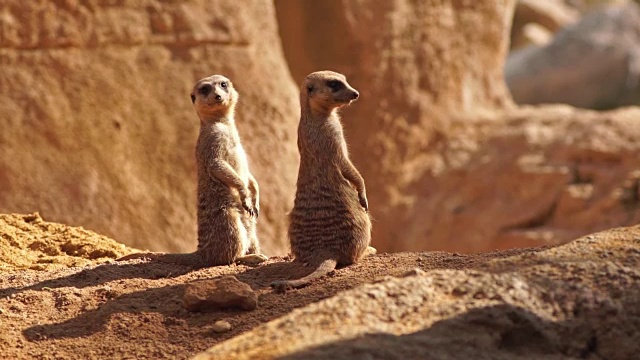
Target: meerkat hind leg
{"points": [[252, 256], [252, 236]]}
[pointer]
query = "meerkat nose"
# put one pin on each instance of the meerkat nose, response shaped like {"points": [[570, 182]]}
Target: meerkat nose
{"points": [[355, 95]]}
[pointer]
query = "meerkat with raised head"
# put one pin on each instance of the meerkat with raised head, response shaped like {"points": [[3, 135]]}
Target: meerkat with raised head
{"points": [[329, 225], [228, 194]]}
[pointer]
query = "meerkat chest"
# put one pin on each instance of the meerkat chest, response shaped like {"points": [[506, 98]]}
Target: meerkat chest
{"points": [[332, 143], [234, 152], [238, 159]]}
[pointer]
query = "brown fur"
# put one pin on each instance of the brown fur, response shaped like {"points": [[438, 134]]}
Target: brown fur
{"points": [[329, 225], [228, 195]]}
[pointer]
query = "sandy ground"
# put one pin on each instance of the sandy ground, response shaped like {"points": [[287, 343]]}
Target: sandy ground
{"points": [[574, 300], [134, 310]]}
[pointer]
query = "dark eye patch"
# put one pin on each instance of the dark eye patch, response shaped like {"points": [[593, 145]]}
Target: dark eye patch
{"points": [[205, 89], [335, 85]]}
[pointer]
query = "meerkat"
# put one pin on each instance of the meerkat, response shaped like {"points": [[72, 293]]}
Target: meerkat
{"points": [[329, 225], [228, 194]]}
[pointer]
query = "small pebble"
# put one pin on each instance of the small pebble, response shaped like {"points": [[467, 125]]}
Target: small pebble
{"points": [[382, 279], [221, 326], [221, 293], [414, 272]]}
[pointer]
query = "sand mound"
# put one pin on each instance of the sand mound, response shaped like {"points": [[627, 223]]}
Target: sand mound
{"points": [[28, 242], [578, 300]]}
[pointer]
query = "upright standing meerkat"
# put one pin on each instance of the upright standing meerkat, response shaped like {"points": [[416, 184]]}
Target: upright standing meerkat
{"points": [[228, 195], [329, 224]]}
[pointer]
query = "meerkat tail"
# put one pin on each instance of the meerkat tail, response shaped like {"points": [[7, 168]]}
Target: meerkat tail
{"points": [[322, 269], [188, 259]]}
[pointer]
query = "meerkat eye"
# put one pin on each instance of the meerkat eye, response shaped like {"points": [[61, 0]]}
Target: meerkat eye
{"points": [[335, 85], [223, 84], [205, 90]]}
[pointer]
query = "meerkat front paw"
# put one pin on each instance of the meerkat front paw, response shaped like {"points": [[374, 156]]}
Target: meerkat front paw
{"points": [[251, 259], [248, 206], [256, 208], [362, 197]]}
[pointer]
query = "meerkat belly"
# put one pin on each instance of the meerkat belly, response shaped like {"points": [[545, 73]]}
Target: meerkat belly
{"points": [[220, 217], [327, 217], [213, 193], [238, 160]]}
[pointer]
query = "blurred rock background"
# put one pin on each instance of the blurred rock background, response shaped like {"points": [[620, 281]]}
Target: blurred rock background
{"points": [[97, 126], [98, 129], [581, 53]]}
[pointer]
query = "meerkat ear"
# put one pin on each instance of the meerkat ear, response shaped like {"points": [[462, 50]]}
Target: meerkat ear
{"points": [[309, 89], [193, 99]]}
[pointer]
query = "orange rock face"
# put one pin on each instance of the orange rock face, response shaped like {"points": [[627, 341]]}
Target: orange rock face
{"points": [[417, 65], [535, 176], [98, 129], [449, 163], [97, 125]]}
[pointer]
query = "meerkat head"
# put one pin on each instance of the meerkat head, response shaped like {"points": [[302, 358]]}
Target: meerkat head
{"points": [[325, 91], [214, 97]]}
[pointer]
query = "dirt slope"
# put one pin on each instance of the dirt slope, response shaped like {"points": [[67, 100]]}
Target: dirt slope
{"points": [[480, 302], [580, 300]]}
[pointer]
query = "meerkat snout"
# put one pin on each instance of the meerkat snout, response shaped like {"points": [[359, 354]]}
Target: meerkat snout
{"points": [[336, 86], [342, 92]]}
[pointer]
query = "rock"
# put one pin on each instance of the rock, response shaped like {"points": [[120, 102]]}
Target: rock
{"points": [[530, 177], [413, 272], [550, 15], [418, 66], [97, 125], [382, 279], [221, 327], [223, 293], [532, 34], [584, 6], [449, 164], [594, 63], [570, 301]]}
